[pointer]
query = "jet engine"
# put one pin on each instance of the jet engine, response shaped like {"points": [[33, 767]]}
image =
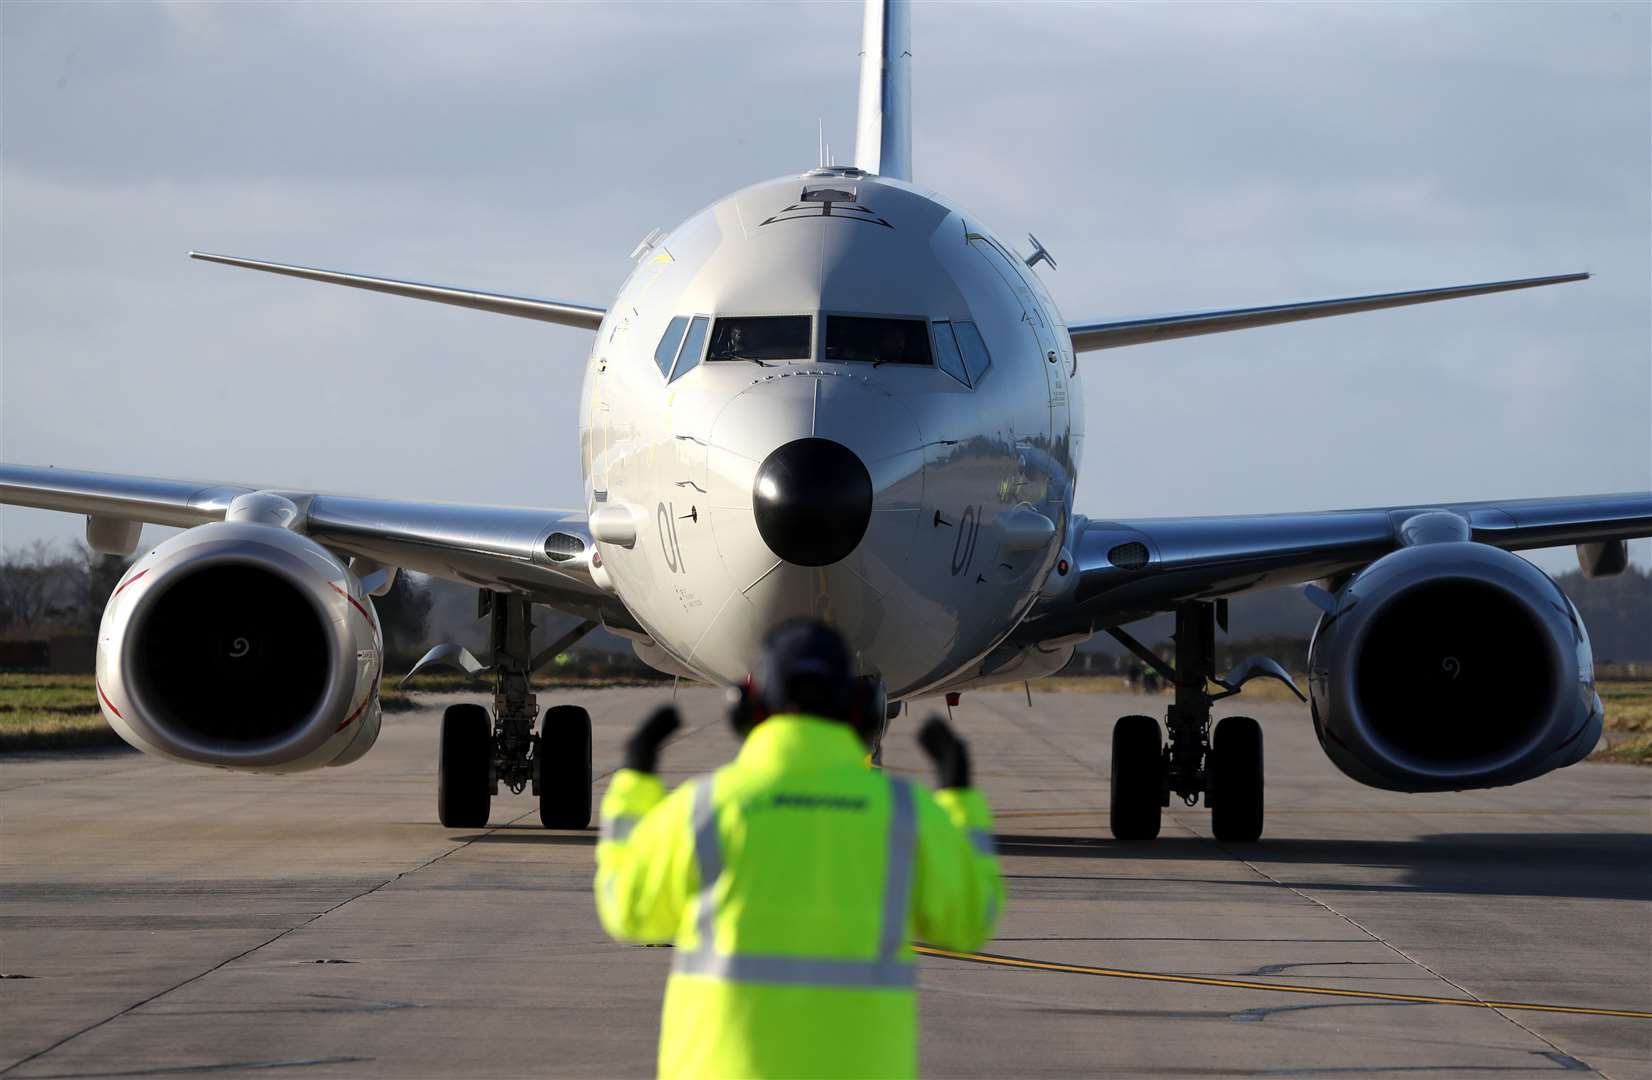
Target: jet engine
{"points": [[242, 645], [1453, 665]]}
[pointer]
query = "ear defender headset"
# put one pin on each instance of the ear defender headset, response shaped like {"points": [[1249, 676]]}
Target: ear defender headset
{"points": [[745, 710], [797, 649]]}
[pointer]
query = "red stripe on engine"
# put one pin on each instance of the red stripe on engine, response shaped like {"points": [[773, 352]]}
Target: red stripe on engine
{"points": [[105, 697], [127, 582], [357, 605], [349, 719]]}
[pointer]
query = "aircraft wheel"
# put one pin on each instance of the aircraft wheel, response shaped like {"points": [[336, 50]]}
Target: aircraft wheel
{"points": [[1233, 786], [1138, 778], [464, 768], [563, 767]]}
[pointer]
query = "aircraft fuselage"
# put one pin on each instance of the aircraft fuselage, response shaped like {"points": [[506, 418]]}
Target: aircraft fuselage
{"points": [[746, 508]]}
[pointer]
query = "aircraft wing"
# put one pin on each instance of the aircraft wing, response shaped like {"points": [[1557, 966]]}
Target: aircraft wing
{"points": [[523, 307], [542, 553], [1089, 336], [1132, 568]]}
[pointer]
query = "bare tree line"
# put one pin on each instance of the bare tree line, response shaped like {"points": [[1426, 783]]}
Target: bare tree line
{"points": [[44, 588], [47, 590]]}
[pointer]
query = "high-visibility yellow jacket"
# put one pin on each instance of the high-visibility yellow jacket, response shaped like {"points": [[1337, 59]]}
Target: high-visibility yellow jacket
{"points": [[792, 882]]}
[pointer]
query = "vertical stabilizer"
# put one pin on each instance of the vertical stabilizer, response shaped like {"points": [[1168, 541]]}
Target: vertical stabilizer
{"points": [[883, 131]]}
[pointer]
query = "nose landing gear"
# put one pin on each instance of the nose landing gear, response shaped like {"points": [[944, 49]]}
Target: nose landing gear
{"points": [[478, 752], [1226, 769]]}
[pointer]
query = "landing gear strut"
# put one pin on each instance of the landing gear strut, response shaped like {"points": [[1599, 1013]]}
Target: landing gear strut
{"points": [[479, 753], [1226, 769]]}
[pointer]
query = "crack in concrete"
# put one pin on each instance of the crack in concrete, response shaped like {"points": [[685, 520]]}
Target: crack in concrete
{"points": [[1184, 826], [271, 941], [1374, 936], [227, 1066], [1257, 1016], [1280, 969]]}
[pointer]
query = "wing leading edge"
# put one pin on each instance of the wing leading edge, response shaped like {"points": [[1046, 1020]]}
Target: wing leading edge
{"points": [[523, 307], [497, 547], [1132, 568], [1111, 335]]}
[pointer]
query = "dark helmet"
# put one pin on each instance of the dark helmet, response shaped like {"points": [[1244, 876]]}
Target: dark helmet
{"points": [[805, 667]]}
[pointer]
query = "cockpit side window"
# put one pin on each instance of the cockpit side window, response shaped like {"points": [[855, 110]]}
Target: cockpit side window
{"points": [[976, 358], [693, 345], [947, 356], [761, 337], [678, 353], [851, 338], [666, 352]]}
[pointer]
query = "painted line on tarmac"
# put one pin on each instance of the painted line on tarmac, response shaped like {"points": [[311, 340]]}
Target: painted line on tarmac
{"points": [[1316, 812], [1049, 813], [998, 960]]}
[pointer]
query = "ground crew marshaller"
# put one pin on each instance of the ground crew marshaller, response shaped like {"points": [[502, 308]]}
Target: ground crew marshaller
{"points": [[793, 880]]}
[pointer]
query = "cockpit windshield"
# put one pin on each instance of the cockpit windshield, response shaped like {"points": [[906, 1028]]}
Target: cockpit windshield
{"points": [[761, 337], [881, 341]]}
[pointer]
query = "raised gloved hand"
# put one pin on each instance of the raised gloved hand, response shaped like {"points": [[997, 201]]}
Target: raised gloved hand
{"points": [[947, 751], [642, 749]]}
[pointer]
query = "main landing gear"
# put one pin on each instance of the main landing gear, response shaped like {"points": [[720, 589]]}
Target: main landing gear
{"points": [[1226, 767], [479, 752]]}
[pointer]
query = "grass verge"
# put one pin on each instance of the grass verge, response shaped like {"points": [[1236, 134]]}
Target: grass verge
{"points": [[60, 712], [1258, 690], [1628, 737], [1634, 750], [51, 712]]}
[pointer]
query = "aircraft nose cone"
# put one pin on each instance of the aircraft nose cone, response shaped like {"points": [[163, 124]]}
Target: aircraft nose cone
{"points": [[812, 500]]}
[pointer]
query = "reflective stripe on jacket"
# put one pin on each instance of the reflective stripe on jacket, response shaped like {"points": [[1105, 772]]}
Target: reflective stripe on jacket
{"points": [[792, 882]]}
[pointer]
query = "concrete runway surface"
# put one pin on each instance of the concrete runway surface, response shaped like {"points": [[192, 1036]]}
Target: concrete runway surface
{"points": [[164, 920]]}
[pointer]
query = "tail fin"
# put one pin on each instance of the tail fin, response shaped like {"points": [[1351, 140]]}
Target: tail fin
{"points": [[883, 132]]}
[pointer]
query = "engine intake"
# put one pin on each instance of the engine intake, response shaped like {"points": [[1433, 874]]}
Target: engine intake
{"points": [[1453, 665], [245, 646]]}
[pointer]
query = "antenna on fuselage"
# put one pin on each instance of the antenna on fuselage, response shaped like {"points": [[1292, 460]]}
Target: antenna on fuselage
{"points": [[1038, 254]]}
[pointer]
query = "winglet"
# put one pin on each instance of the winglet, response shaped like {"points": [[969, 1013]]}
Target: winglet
{"points": [[447, 654], [1252, 667]]}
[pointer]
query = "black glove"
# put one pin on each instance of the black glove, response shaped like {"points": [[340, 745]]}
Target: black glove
{"points": [[947, 751], [642, 750]]}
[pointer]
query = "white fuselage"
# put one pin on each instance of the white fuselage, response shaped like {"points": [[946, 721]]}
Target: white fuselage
{"points": [[972, 485]]}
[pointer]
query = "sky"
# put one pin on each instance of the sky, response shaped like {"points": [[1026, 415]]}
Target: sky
{"points": [[1171, 157]]}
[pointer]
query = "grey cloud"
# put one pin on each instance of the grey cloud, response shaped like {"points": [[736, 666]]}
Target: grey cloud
{"points": [[1173, 157]]}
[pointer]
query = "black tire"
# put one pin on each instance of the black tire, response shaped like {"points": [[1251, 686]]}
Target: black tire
{"points": [[464, 768], [563, 768], [1233, 781], [1138, 779]]}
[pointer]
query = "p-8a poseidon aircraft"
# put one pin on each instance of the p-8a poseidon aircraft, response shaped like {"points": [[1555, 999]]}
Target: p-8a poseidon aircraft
{"points": [[837, 394]]}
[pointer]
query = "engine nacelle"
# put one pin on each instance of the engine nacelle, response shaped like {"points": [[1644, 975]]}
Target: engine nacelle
{"points": [[1449, 666], [245, 646]]}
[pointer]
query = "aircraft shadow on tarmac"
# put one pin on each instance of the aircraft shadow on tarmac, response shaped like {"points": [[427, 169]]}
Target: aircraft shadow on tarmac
{"points": [[531, 834], [1597, 866]]}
